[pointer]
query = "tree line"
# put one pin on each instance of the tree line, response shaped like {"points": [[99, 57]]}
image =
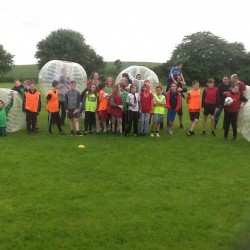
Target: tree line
{"points": [[203, 54]]}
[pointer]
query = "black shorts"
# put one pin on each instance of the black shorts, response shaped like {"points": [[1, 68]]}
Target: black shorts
{"points": [[194, 116], [209, 110], [73, 114], [180, 111]]}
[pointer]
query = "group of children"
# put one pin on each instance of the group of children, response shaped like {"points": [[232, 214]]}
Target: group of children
{"points": [[124, 106]]}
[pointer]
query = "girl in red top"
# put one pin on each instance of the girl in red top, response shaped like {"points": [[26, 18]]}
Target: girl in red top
{"points": [[115, 108], [231, 111], [146, 98]]}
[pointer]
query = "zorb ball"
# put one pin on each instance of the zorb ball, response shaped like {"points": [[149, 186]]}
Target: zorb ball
{"points": [[16, 117], [64, 72], [244, 117], [228, 101], [146, 74]]}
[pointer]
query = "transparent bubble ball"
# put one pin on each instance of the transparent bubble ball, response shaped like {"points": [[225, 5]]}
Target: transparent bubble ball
{"points": [[16, 117], [146, 74], [244, 117], [64, 72]]}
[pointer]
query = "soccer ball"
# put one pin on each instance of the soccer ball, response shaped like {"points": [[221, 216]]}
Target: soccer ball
{"points": [[228, 101]]}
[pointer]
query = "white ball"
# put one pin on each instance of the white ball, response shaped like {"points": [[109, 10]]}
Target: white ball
{"points": [[16, 117], [146, 74], [244, 117], [228, 101], [56, 69]]}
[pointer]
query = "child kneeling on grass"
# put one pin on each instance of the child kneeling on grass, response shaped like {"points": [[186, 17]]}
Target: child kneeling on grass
{"points": [[159, 103], [4, 110]]}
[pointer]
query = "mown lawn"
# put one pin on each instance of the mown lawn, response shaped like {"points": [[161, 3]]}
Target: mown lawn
{"points": [[171, 192]]}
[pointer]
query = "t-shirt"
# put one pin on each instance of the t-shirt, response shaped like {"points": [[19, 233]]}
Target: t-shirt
{"points": [[159, 109], [72, 99], [103, 101], [124, 98], [242, 86], [133, 98], [146, 102], [175, 71]]}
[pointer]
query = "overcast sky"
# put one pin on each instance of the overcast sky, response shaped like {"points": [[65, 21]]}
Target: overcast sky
{"points": [[131, 30]]}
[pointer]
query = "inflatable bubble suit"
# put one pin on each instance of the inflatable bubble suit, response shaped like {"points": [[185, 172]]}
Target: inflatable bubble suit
{"points": [[64, 72], [16, 117], [244, 117], [146, 74]]}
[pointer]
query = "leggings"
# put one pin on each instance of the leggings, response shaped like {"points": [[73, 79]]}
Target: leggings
{"points": [[89, 121], [230, 118]]}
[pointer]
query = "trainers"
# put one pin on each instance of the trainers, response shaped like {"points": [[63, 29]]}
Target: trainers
{"points": [[171, 132], [78, 133], [157, 135], [213, 133], [203, 133], [152, 134]]}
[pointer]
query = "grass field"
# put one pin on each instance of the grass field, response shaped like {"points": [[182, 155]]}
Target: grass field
{"points": [[171, 192]]}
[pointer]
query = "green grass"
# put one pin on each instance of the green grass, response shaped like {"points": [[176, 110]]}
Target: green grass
{"points": [[172, 192]]}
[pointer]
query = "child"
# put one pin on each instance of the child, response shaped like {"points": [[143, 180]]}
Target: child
{"points": [[90, 107], [194, 106], [115, 109], [134, 107], [146, 106], [72, 104], [32, 107], [231, 111], [53, 108], [210, 104], [173, 104], [109, 83], [4, 110], [26, 84], [159, 103], [124, 94], [102, 108], [18, 87]]}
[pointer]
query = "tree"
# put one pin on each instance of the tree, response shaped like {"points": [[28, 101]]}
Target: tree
{"points": [[68, 45], [6, 61], [205, 55], [118, 65]]}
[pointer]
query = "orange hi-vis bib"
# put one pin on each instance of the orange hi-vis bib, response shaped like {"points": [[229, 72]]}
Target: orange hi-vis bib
{"points": [[52, 104], [32, 101], [194, 101]]}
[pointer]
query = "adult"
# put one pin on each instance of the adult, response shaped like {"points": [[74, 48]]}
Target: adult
{"points": [[223, 88], [242, 86], [174, 72], [62, 88]]}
